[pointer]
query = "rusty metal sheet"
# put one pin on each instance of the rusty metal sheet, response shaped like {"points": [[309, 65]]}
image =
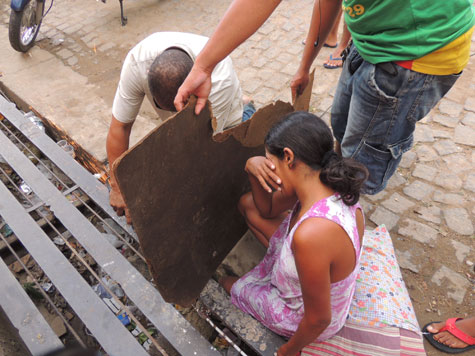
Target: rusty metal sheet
{"points": [[182, 185]]}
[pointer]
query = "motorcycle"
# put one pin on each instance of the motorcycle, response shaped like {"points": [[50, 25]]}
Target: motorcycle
{"points": [[25, 22]]}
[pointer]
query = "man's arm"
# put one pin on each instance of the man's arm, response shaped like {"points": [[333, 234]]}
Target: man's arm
{"points": [[116, 144], [324, 16], [240, 21]]}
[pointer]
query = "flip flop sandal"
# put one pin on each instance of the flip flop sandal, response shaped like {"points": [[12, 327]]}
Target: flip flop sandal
{"points": [[330, 66], [324, 45], [451, 328]]}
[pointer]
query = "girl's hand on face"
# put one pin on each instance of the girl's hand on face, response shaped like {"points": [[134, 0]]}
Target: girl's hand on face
{"points": [[263, 169]]}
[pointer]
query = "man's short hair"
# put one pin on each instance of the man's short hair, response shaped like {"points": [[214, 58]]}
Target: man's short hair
{"points": [[166, 74]]}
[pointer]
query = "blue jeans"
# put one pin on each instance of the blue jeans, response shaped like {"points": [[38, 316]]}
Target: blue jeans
{"points": [[248, 111], [375, 111]]}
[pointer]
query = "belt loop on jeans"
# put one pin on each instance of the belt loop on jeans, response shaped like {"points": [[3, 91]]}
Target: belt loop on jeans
{"points": [[346, 51]]}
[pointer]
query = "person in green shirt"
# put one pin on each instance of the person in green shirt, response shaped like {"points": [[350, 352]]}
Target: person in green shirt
{"points": [[406, 55]]}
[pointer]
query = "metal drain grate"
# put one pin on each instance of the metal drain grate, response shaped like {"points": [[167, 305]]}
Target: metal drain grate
{"points": [[47, 210], [54, 210]]}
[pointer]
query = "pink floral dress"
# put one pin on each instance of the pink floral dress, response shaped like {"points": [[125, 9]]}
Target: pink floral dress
{"points": [[271, 291]]}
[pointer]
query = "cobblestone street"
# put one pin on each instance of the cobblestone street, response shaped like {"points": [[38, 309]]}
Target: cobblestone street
{"points": [[70, 77]]}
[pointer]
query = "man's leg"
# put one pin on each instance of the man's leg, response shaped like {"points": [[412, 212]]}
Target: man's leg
{"points": [[332, 38], [386, 102], [335, 60]]}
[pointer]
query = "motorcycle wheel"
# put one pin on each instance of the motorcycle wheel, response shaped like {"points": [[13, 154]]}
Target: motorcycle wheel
{"points": [[23, 27]]}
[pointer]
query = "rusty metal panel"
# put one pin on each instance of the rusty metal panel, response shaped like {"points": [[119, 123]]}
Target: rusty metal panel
{"points": [[182, 186]]}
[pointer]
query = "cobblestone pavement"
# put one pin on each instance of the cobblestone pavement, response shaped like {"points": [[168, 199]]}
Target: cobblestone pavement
{"points": [[429, 203]]}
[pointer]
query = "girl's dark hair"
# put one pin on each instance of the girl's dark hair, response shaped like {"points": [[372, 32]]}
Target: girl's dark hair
{"points": [[311, 141]]}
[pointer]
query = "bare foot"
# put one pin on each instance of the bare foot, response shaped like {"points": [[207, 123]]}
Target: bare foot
{"points": [[246, 100], [227, 283], [467, 326]]}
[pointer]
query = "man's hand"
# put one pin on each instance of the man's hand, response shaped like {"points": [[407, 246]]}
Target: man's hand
{"points": [[299, 83], [198, 82], [263, 169], [118, 204]]}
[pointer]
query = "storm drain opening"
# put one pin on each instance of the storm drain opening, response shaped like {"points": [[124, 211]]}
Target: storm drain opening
{"points": [[81, 266]]}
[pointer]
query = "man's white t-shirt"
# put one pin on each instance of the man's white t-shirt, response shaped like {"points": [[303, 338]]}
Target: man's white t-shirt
{"points": [[225, 96]]}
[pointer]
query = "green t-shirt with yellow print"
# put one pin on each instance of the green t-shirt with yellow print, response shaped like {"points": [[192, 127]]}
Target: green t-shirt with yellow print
{"points": [[401, 30]]}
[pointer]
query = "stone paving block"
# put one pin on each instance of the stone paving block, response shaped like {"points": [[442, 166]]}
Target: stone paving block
{"points": [[64, 53], [384, 216], [464, 135], [250, 87], [378, 196], [325, 104], [457, 163], [396, 180], [264, 97], [248, 74], [446, 147], [418, 231], [448, 180], [441, 133], [469, 119], [430, 213], [63, 26], [276, 67], [404, 259], [446, 120], [458, 220], [470, 104], [423, 133], [397, 203], [263, 44], [448, 198], [286, 58], [470, 182], [408, 159], [266, 29], [260, 62], [106, 46], [366, 205], [295, 49], [418, 190], [71, 29], [426, 153], [457, 94], [450, 108], [457, 283], [424, 171], [290, 69], [72, 61], [461, 250]]}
